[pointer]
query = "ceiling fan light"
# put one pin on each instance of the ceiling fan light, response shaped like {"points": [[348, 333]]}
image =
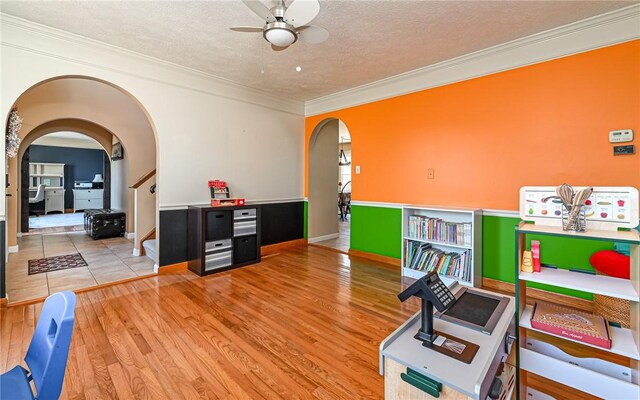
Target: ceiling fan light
{"points": [[280, 37]]}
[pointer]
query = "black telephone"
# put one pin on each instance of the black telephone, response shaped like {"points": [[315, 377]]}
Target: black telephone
{"points": [[433, 292]]}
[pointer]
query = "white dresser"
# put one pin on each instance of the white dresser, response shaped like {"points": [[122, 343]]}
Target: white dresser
{"points": [[85, 199], [53, 200]]}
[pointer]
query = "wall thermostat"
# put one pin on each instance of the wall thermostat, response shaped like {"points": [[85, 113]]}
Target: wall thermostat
{"points": [[623, 135]]}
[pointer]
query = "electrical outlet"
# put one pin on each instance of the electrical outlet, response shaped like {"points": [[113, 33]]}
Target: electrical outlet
{"points": [[357, 169], [431, 173]]}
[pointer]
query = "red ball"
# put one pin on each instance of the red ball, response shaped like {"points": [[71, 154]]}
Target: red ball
{"points": [[611, 263]]}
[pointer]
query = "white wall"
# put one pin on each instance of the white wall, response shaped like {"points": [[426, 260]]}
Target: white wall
{"points": [[206, 128], [323, 182], [119, 185]]}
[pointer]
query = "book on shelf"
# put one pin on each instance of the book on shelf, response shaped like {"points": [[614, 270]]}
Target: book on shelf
{"points": [[572, 324], [425, 257], [427, 228]]}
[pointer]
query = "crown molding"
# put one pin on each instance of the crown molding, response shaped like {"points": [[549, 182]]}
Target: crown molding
{"points": [[607, 29], [46, 41]]}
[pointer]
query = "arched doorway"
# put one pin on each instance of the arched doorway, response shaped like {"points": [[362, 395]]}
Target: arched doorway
{"points": [[110, 115], [330, 185]]}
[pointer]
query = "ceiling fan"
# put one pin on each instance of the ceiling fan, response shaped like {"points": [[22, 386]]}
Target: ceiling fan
{"points": [[285, 25]]}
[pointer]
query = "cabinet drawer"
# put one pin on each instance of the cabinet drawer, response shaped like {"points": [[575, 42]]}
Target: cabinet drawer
{"points": [[243, 228], [217, 260], [245, 249], [87, 204], [216, 246], [246, 213], [219, 225], [87, 194]]}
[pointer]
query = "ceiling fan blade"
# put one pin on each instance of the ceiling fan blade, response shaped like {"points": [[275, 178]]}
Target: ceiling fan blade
{"points": [[260, 10], [313, 34], [276, 48], [246, 29], [301, 12]]}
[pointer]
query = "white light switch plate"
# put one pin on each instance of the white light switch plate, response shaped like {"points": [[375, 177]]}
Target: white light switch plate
{"points": [[621, 136]]}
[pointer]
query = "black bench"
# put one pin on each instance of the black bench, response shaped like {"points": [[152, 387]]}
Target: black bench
{"points": [[104, 223]]}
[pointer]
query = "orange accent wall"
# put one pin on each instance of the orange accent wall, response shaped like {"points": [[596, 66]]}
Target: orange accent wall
{"points": [[543, 124]]}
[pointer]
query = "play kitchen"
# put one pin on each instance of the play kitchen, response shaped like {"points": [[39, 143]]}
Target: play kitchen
{"points": [[468, 343]]}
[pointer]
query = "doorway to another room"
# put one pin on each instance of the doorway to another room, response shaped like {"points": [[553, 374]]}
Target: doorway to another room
{"points": [[63, 174], [330, 186]]}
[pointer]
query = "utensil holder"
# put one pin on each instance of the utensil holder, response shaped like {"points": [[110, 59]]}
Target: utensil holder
{"points": [[576, 224]]}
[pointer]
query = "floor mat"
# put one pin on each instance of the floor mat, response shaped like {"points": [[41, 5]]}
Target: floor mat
{"points": [[56, 263]]}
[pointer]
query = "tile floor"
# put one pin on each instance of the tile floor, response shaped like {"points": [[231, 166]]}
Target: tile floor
{"points": [[108, 260], [342, 242]]}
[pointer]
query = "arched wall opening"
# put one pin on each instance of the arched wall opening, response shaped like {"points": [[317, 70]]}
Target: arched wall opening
{"points": [[324, 180], [99, 109], [86, 128]]}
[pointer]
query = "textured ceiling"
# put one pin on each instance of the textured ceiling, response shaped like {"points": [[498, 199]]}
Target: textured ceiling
{"points": [[369, 40]]}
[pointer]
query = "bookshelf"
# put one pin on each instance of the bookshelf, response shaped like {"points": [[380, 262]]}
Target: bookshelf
{"points": [[605, 373], [446, 239]]}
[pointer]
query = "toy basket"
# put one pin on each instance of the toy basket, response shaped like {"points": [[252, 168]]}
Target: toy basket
{"points": [[613, 309]]}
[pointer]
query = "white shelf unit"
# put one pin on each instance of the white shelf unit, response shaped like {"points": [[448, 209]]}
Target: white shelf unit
{"points": [[49, 174], [447, 214], [52, 176], [625, 342]]}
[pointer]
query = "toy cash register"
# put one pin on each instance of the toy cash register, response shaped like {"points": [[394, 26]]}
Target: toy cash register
{"points": [[432, 292]]}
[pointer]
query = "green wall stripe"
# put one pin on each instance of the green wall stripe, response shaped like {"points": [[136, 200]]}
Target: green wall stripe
{"points": [[306, 220], [376, 230]]}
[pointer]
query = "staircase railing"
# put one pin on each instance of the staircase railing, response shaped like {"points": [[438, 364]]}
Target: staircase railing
{"points": [[144, 210]]}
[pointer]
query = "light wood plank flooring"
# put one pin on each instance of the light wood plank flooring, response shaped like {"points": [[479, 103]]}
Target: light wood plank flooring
{"points": [[303, 324]]}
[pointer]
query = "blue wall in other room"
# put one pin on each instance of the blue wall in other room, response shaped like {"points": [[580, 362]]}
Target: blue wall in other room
{"points": [[79, 164]]}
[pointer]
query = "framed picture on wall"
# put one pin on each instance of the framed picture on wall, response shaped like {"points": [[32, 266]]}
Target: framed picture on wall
{"points": [[117, 153]]}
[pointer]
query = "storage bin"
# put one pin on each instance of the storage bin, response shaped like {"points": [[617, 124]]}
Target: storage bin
{"points": [[219, 225], [244, 249]]}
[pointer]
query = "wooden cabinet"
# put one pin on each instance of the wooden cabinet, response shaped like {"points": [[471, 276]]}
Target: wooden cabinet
{"points": [[221, 238], [87, 199]]}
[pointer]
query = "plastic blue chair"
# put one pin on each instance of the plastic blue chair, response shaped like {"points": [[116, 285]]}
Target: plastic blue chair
{"points": [[47, 354]]}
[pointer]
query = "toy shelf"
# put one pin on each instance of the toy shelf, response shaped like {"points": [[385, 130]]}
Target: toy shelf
{"points": [[622, 341], [597, 284], [625, 343]]}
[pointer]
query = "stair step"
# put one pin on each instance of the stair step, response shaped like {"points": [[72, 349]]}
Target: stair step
{"points": [[150, 248]]}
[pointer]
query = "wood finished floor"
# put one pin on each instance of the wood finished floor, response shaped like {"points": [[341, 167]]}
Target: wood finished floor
{"points": [[303, 324]]}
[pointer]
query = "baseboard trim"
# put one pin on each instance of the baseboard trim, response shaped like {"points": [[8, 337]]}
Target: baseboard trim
{"points": [[272, 249], [13, 249], [324, 237], [136, 252], [396, 262], [538, 294], [172, 268], [130, 235], [328, 248]]}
